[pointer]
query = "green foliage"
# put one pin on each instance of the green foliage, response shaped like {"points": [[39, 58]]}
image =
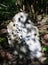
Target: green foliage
{"points": [[45, 48], [7, 9], [2, 39]]}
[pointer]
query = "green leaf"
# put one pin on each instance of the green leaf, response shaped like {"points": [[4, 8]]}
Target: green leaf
{"points": [[13, 1], [45, 48]]}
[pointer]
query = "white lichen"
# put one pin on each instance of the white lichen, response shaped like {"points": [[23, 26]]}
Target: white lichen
{"points": [[28, 34]]}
